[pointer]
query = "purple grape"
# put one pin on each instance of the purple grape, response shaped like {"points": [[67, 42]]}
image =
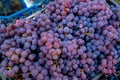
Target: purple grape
{"points": [[40, 76], [69, 40], [34, 72], [24, 69], [25, 75], [27, 63], [24, 54]]}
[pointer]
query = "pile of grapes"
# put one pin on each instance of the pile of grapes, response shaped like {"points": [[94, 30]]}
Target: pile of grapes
{"points": [[71, 40]]}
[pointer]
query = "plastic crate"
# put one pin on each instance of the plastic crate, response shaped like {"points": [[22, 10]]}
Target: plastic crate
{"points": [[113, 2], [116, 2], [27, 11]]}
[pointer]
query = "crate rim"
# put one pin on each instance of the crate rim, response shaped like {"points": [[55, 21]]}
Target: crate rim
{"points": [[21, 11]]}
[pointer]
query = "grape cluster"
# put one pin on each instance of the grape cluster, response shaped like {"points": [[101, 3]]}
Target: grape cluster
{"points": [[112, 77], [115, 21], [71, 40]]}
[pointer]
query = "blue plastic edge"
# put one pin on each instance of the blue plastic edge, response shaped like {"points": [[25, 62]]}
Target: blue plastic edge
{"points": [[114, 2], [23, 4], [21, 11]]}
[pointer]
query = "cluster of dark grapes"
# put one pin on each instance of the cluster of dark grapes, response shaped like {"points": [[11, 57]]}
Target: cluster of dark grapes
{"points": [[71, 40], [115, 21], [112, 77]]}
